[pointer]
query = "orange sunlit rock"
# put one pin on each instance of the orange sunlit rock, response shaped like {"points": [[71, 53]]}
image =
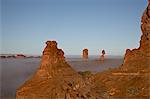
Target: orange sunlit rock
{"points": [[55, 79], [131, 79], [85, 53], [139, 58]]}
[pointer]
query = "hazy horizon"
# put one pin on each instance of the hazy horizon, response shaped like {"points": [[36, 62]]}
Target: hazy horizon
{"points": [[68, 56], [74, 24]]}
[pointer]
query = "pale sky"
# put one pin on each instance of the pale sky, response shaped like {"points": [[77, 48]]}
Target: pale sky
{"points": [[113, 25]]}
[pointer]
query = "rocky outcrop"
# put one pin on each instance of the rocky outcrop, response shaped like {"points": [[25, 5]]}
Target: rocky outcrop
{"points": [[85, 53], [55, 79], [102, 57], [139, 59], [131, 80]]}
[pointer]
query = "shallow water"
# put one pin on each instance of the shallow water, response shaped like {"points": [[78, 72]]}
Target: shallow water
{"points": [[14, 72]]}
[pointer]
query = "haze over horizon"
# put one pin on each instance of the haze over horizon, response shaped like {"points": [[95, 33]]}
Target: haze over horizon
{"points": [[75, 24]]}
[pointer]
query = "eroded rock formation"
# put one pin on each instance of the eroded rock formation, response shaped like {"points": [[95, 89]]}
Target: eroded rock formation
{"points": [[55, 79], [102, 57], [131, 80], [139, 59], [85, 53]]}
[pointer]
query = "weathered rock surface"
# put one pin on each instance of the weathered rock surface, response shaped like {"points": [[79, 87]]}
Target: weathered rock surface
{"points": [[131, 80], [55, 79], [139, 59], [116, 84], [85, 53]]}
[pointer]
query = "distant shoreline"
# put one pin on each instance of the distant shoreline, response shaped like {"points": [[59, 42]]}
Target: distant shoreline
{"points": [[3, 56]]}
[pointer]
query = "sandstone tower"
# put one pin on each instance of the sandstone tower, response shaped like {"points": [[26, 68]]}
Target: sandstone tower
{"points": [[55, 79], [85, 53]]}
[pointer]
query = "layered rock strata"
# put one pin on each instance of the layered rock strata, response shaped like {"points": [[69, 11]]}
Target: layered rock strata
{"points": [[55, 79]]}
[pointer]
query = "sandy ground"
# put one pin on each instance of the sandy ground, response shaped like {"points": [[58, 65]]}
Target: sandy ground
{"points": [[14, 72]]}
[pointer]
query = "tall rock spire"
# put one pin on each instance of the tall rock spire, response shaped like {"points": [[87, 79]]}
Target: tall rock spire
{"points": [[85, 53], [55, 79], [51, 54]]}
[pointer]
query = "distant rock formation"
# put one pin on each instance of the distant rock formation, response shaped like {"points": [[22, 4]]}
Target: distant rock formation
{"points": [[20, 56], [139, 59], [132, 79], [3, 57], [102, 57], [55, 79], [12, 56], [85, 53]]}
